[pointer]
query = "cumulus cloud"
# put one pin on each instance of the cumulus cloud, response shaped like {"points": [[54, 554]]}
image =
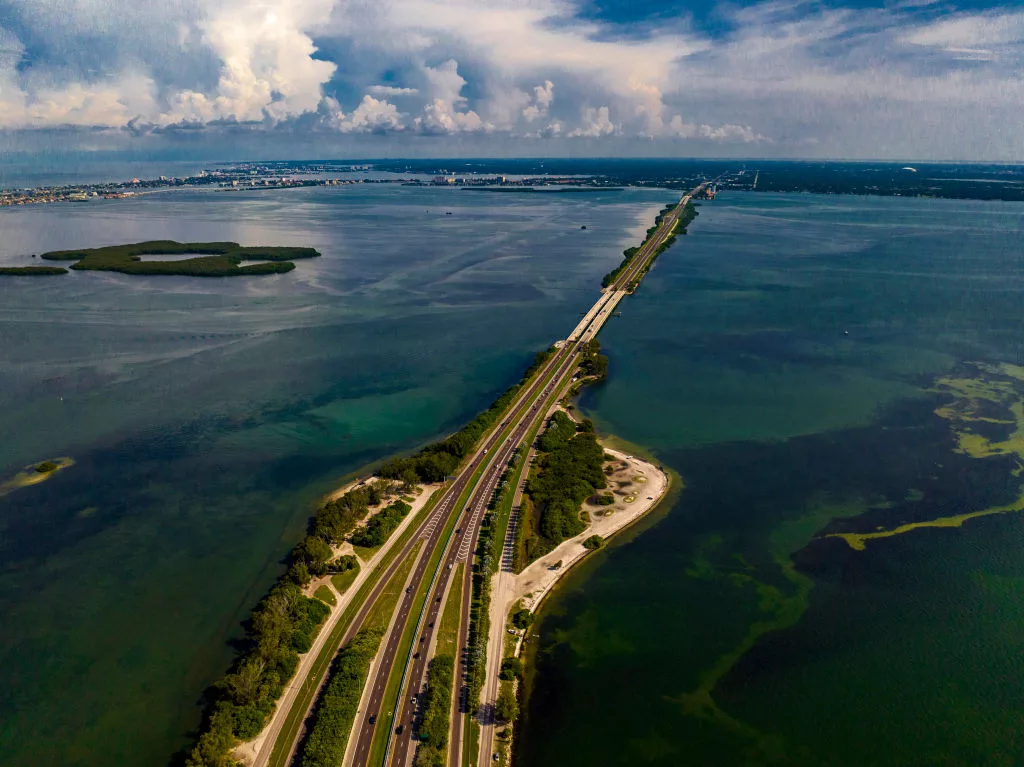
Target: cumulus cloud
{"points": [[786, 75], [596, 122], [390, 90], [543, 95], [441, 114], [371, 116]]}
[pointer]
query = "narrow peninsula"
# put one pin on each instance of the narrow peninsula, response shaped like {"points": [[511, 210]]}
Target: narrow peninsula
{"points": [[394, 635]]}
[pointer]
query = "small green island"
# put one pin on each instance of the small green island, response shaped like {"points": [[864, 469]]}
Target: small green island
{"points": [[35, 473], [209, 259]]}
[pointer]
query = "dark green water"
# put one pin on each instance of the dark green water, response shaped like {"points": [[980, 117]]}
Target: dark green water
{"points": [[206, 417], [727, 630]]}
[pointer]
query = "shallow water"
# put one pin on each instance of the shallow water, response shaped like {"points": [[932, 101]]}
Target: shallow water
{"points": [[782, 358], [206, 416]]}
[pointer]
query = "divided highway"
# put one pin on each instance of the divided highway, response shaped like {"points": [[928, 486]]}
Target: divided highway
{"points": [[490, 460]]}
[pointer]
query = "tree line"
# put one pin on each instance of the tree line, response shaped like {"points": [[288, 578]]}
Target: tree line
{"points": [[440, 459], [436, 717], [282, 626], [324, 745], [567, 473]]}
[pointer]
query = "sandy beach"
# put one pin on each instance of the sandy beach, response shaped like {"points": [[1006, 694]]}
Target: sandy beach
{"points": [[638, 486]]}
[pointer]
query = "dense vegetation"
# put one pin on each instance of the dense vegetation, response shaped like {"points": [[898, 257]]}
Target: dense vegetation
{"points": [[436, 461], [324, 745], [219, 259], [380, 526], [522, 618], [282, 626], [32, 271], [511, 668], [594, 542], [507, 708], [437, 702], [566, 474]]}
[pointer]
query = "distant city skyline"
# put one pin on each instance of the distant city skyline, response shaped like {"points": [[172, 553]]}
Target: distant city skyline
{"points": [[911, 80]]}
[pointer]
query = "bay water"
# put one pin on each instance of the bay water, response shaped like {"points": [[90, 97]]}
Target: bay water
{"points": [[207, 416]]}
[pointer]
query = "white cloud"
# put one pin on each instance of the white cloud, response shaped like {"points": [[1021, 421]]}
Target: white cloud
{"points": [[788, 75], [390, 90], [543, 96], [596, 122], [441, 115], [371, 116]]}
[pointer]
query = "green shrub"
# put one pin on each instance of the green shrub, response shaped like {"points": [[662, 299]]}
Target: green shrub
{"points": [[324, 745], [594, 542], [380, 526], [511, 668]]}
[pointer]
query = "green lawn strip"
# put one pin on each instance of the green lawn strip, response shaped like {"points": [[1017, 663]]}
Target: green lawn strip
{"points": [[324, 594], [365, 553], [342, 581], [297, 714], [471, 743], [389, 703], [501, 744], [451, 618], [380, 614]]}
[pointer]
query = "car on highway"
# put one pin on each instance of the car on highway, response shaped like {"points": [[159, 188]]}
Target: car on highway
{"points": [[373, 719], [399, 729]]}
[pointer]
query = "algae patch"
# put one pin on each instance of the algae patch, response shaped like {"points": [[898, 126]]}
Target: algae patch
{"points": [[990, 401], [34, 474]]}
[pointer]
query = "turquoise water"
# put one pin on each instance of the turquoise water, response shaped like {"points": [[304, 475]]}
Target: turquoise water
{"points": [[784, 359], [206, 416]]}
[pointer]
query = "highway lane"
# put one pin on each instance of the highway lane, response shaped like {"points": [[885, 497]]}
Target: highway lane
{"points": [[359, 747], [462, 550]]}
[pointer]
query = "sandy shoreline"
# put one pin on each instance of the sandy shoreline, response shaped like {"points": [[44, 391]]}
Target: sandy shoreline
{"points": [[538, 579], [648, 486]]}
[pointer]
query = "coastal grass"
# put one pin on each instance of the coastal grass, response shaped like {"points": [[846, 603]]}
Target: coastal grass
{"points": [[365, 553], [342, 581], [451, 618], [471, 743], [215, 259], [380, 615], [324, 594]]}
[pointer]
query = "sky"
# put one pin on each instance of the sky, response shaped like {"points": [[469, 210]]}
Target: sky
{"points": [[234, 79]]}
